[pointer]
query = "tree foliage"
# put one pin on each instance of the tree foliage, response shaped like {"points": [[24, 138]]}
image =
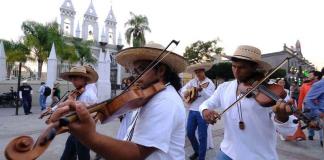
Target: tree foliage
{"points": [[15, 52], [201, 51], [280, 73], [83, 51], [221, 70], [137, 25], [39, 39]]}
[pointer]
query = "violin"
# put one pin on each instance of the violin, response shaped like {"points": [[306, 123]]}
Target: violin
{"points": [[73, 95], [266, 94], [23, 147]]}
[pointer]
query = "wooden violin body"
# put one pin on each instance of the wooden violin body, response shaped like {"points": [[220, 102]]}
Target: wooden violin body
{"points": [[23, 147]]}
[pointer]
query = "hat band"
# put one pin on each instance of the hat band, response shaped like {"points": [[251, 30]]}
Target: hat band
{"points": [[246, 57]]}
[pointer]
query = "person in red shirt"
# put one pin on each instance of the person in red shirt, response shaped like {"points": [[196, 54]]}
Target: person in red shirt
{"points": [[313, 77]]}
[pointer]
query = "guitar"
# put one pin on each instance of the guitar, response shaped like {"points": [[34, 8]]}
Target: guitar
{"points": [[193, 93]]}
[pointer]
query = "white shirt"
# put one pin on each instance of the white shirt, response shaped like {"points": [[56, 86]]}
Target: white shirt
{"points": [[161, 124], [88, 96], [92, 86], [42, 89], [258, 139], [202, 96]]}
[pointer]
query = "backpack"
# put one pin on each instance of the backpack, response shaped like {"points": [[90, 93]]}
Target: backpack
{"points": [[47, 91]]}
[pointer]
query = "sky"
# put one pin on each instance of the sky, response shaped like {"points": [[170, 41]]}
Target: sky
{"points": [[261, 23]]}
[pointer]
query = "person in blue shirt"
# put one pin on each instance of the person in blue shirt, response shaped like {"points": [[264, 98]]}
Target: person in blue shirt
{"points": [[314, 107]]}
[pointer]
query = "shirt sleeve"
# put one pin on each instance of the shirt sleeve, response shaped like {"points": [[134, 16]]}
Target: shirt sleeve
{"points": [[155, 124], [313, 94], [207, 92], [286, 129], [212, 102], [185, 88], [301, 97]]}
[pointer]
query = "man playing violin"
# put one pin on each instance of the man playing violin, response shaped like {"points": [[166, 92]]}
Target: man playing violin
{"points": [[80, 76], [249, 128], [158, 128], [205, 88]]}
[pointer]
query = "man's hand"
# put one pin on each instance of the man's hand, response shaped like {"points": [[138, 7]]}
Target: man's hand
{"points": [[282, 110], [210, 116], [186, 94], [85, 128]]}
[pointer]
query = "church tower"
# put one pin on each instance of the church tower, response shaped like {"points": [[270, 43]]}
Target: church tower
{"points": [[110, 24], [90, 25], [67, 18]]}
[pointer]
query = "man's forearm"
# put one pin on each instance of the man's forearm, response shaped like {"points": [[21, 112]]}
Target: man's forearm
{"points": [[111, 148]]}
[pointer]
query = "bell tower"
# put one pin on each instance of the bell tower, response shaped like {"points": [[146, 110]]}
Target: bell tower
{"points": [[110, 24], [67, 18], [90, 25]]}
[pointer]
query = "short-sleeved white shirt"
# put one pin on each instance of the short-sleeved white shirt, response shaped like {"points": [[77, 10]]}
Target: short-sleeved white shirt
{"points": [[161, 124]]}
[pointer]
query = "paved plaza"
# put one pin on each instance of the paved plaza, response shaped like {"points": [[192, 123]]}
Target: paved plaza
{"points": [[12, 126]]}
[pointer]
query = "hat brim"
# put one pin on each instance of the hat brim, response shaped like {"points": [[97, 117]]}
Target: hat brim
{"points": [[91, 77], [205, 66], [128, 56], [93, 73], [261, 64]]}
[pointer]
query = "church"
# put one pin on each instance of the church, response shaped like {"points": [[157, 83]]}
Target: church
{"points": [[89, 30]]}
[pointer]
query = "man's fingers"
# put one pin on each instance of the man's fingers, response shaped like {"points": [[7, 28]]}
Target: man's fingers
{"points": [[82, 112], [59, 113]]}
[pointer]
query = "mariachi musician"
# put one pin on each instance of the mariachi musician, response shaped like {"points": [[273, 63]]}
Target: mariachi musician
{"points": [[195, 92], [249, 129], [157, 131], [80, 77]]}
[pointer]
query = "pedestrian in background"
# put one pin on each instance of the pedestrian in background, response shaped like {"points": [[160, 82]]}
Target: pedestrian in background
{"points": [[25, 94]]}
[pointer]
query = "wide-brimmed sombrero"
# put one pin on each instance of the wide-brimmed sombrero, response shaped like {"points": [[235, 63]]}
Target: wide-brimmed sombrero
{"points": [[91, 76], [204, 66], [250, 53], [150, 51], [92, 71]]}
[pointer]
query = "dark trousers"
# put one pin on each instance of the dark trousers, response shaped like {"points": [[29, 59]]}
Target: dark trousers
{"points": [[195, 120], [27, 101], [73, 149]]}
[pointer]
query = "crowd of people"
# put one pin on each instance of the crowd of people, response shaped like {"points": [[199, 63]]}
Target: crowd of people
{"points": [[157, 129]]}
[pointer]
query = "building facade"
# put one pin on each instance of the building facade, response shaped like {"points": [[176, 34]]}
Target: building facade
{"points": [[296, 66], [89, 31]]}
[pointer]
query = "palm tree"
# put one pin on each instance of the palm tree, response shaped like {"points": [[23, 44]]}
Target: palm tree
{"points": [[15, 52], [137, 25], [39, 39]]}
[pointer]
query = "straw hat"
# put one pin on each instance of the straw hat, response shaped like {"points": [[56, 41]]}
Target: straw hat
{"points": [[91, 76], [204, 66], [252, 54], [92, 71], [150, 51]]}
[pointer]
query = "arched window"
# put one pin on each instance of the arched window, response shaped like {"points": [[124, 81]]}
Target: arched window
{"points": [[67, 27]]}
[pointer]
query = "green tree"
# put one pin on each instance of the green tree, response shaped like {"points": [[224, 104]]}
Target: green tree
{"points": [[137, 25], [83, 51], [221, 70], [15, 52], [39, 39], [201, 51]]}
